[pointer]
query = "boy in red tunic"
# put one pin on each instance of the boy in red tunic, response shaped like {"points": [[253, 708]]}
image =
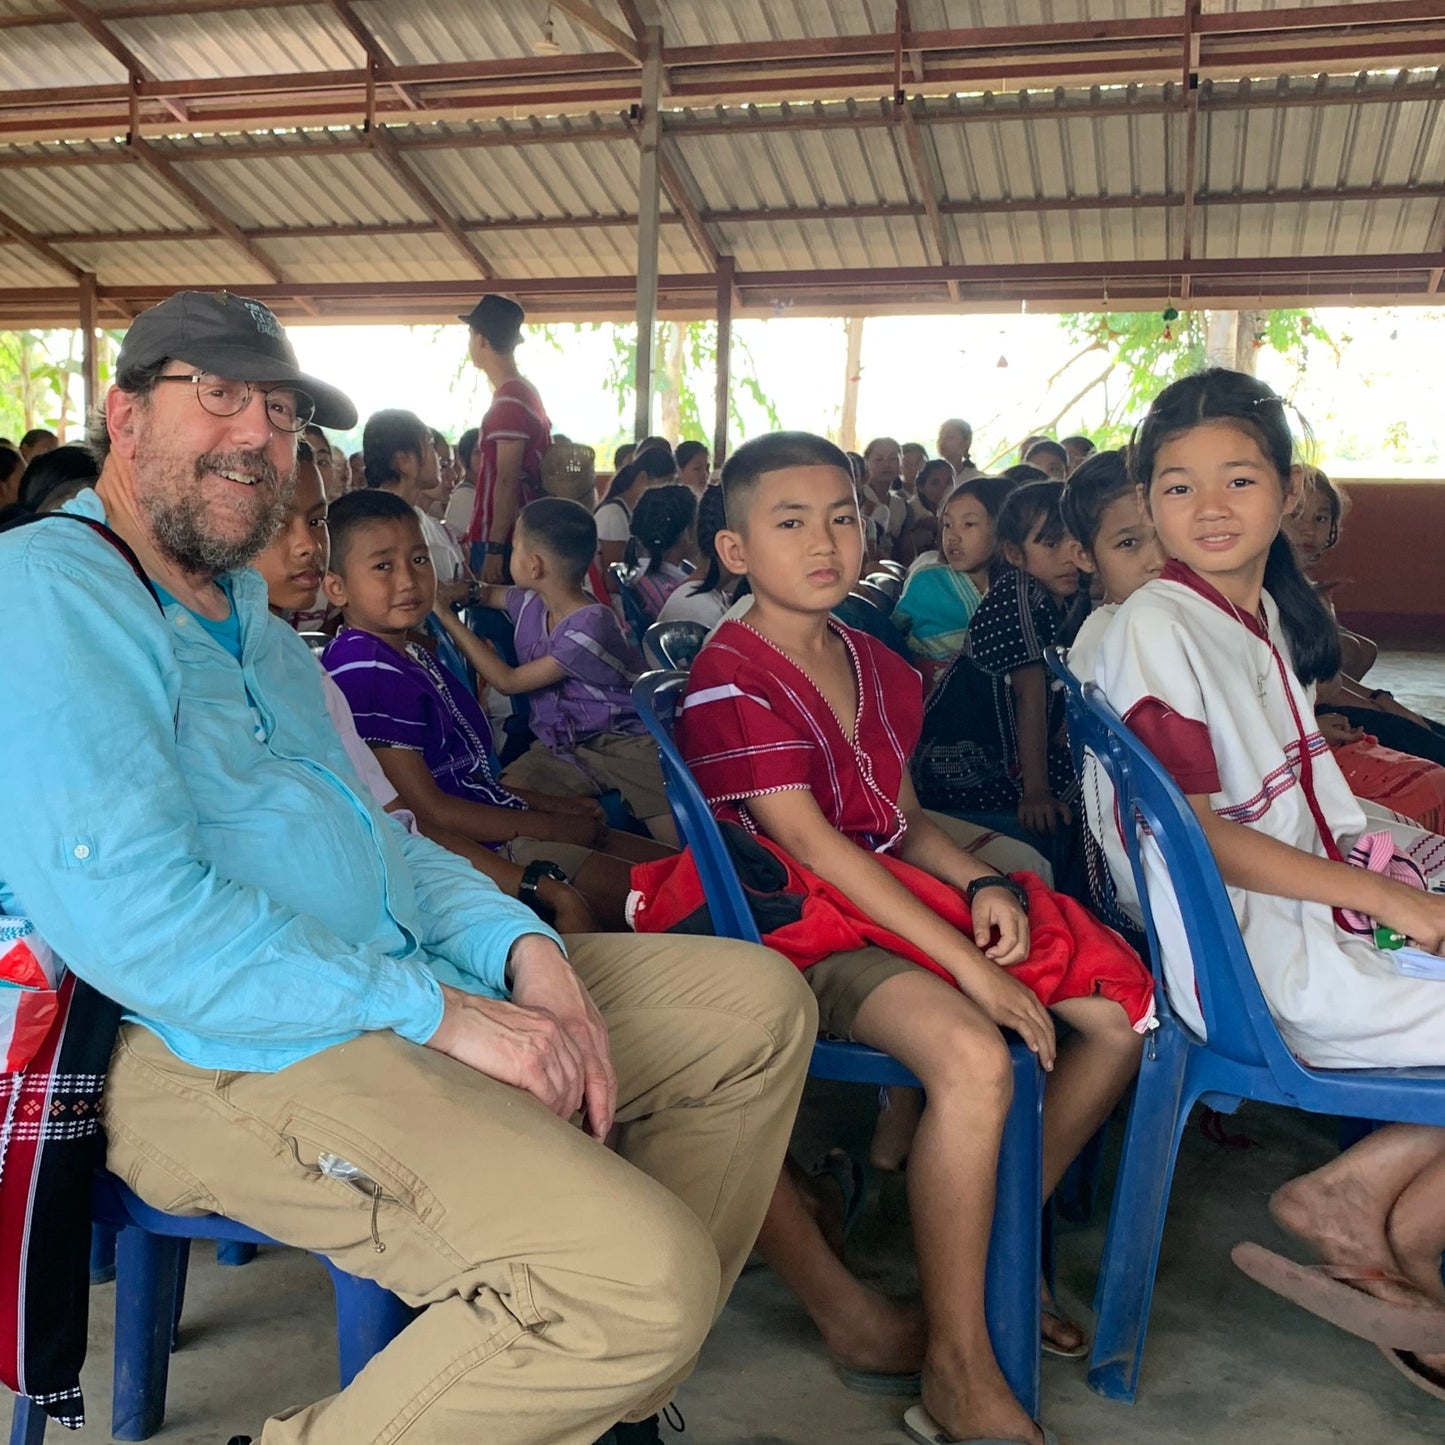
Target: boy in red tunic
{"points": [[800, 729]]}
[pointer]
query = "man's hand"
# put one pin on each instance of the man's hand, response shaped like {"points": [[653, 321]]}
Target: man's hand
{"points": [[543, 979], [997, 908], [494, 570], [514, 1044]]}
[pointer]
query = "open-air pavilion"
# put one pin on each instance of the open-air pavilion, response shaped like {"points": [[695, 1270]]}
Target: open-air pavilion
{"points": [[369, 160]]}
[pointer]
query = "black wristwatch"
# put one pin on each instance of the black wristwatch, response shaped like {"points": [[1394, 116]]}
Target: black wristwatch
{"points": [[997, 880], [532, 875], [474, 595]]}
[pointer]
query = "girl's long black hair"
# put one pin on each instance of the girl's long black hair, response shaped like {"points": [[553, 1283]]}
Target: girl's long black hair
{"points": [[711, 519], [654, 462], [662, 518], [1034, 508], [1246, 402]]}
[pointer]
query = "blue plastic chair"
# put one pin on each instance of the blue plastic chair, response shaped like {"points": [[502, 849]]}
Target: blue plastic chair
{"points": [[1244, 1058], [150, 1252], [1012, 1287], [632, 609], [673, 644]]}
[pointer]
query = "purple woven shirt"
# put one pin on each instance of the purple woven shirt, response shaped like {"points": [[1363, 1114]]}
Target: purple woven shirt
{"points": [[409, 700], [601, 665]]}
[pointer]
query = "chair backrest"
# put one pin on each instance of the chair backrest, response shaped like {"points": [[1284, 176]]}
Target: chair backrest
{"points": [[1236, 1017], [657, 697], [870, 593], [673, 644], [316, 641], [632, 609], [886, 583], [893, 569]]}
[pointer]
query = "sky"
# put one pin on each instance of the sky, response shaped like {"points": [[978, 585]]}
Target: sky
{"points": [[1376, 409]]}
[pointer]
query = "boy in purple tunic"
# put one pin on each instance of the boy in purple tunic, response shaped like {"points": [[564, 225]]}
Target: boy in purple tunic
{"points": [[575, 664], [432, 737]]}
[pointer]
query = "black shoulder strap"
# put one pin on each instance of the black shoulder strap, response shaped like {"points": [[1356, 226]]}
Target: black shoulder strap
{"points": [[101, 530]]}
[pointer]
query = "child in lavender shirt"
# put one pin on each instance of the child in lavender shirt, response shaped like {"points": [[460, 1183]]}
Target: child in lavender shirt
{"points": [[576, 666]]}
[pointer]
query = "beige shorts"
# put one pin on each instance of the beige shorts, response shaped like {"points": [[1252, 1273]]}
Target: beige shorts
{"points": [[842, 981], [569, 857], [609, 760]]}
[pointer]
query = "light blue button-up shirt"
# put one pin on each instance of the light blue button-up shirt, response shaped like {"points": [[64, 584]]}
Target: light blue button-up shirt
{"points": [[186, 832]]}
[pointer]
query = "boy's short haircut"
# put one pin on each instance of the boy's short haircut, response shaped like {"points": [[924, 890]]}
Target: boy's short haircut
{"points": [[916, 449], [1080, 444], [1047, 448], [354, 510], [1098, 482], [564, 530], [776, 452], [1023, 472]]}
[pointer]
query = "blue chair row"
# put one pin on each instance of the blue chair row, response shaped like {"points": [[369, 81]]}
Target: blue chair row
{"points": [[150, 1252], [1242, 1058], [1012, 1288], [673, 645]]}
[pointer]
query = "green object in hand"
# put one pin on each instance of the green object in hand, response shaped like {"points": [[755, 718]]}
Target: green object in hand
{"points": [[1387, 938]]}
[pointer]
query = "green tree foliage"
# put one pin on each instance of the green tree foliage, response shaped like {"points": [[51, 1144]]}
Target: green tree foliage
{"points": [[41, 381], [1125, 358]]}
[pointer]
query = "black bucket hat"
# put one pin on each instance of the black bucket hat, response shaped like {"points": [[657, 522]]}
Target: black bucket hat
{"points": [[231, 336]]}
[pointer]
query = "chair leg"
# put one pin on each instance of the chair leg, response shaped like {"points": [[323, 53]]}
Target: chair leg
{"points": [[102, 1253], [147, 1272], [1011, 1291], [1136, 1220], [368, 1318], [234, 1252], [183, 1269], [27, 1424]]}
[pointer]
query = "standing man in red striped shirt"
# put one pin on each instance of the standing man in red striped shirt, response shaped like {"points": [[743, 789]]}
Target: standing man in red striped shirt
{"points": [[514, 438]]}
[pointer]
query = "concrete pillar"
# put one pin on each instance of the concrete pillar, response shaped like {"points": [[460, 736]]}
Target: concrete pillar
{"points": [[726, 268], [649, 193]]}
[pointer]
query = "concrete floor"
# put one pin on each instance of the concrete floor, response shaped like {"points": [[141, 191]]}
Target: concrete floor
{"points": [[1226, 1362]]}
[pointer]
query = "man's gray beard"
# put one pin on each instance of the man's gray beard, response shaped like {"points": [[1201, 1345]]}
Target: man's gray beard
{"points": [[178, 526]]}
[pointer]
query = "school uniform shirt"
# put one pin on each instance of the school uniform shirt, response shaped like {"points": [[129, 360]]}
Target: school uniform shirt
{"points": [[753, 723], [614, 521], [1013, 625], [1213, 695], [458, 515], [516, 414], [600, 663], [410, 701], [446, 556], [934, 611], [652, 589], [690, 603]]}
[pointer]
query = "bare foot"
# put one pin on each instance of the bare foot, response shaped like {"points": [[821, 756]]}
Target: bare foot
{"points": [[1336, 1212], [964, 1416], [826, 1201], [1060, 1331], [889, 1337]]}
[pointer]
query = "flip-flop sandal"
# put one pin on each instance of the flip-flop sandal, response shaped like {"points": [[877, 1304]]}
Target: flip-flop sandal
{"points": [[922, 1427], [847, 1173], [1420, 1375], [1048, 1347], [1327, 1290], [886, 1383]]}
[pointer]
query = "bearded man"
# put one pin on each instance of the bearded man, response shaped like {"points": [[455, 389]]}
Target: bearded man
{"points": [[301, 977]]}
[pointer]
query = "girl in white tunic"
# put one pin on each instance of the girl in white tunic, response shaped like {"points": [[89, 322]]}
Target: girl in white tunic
{"points": [[1209, 666]]}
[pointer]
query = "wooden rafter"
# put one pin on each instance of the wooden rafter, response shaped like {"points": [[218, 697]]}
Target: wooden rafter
{"points": [[1189, 82], [927, 188], [379, 61], [108, 41], [428, 201], [40, 246], [587, 17]]}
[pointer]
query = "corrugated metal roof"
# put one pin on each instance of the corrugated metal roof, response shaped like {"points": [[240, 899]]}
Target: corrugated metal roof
{"points": [[443, 30], [19, 266], [242, 42], [598, 252], [169, 263], [73, 198], [52, 55], [302, 191], [366, 258]]}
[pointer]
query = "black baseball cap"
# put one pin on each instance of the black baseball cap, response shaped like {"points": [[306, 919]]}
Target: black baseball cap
{"points": [[231, 336], [498, 319]]}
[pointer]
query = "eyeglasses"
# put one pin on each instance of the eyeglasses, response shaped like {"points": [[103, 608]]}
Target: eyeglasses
{"points": [[287, 409]]}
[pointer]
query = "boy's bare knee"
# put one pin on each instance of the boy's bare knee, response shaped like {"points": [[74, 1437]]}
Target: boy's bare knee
{"points": [[975, 1065]]}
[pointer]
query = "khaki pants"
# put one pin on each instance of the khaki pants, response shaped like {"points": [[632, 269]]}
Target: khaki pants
{"points": [[566, 1286], [609, 760]]}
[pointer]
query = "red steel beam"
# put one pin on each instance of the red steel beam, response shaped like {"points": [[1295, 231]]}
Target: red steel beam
{"points": [[587, 17], [39, 246]]}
